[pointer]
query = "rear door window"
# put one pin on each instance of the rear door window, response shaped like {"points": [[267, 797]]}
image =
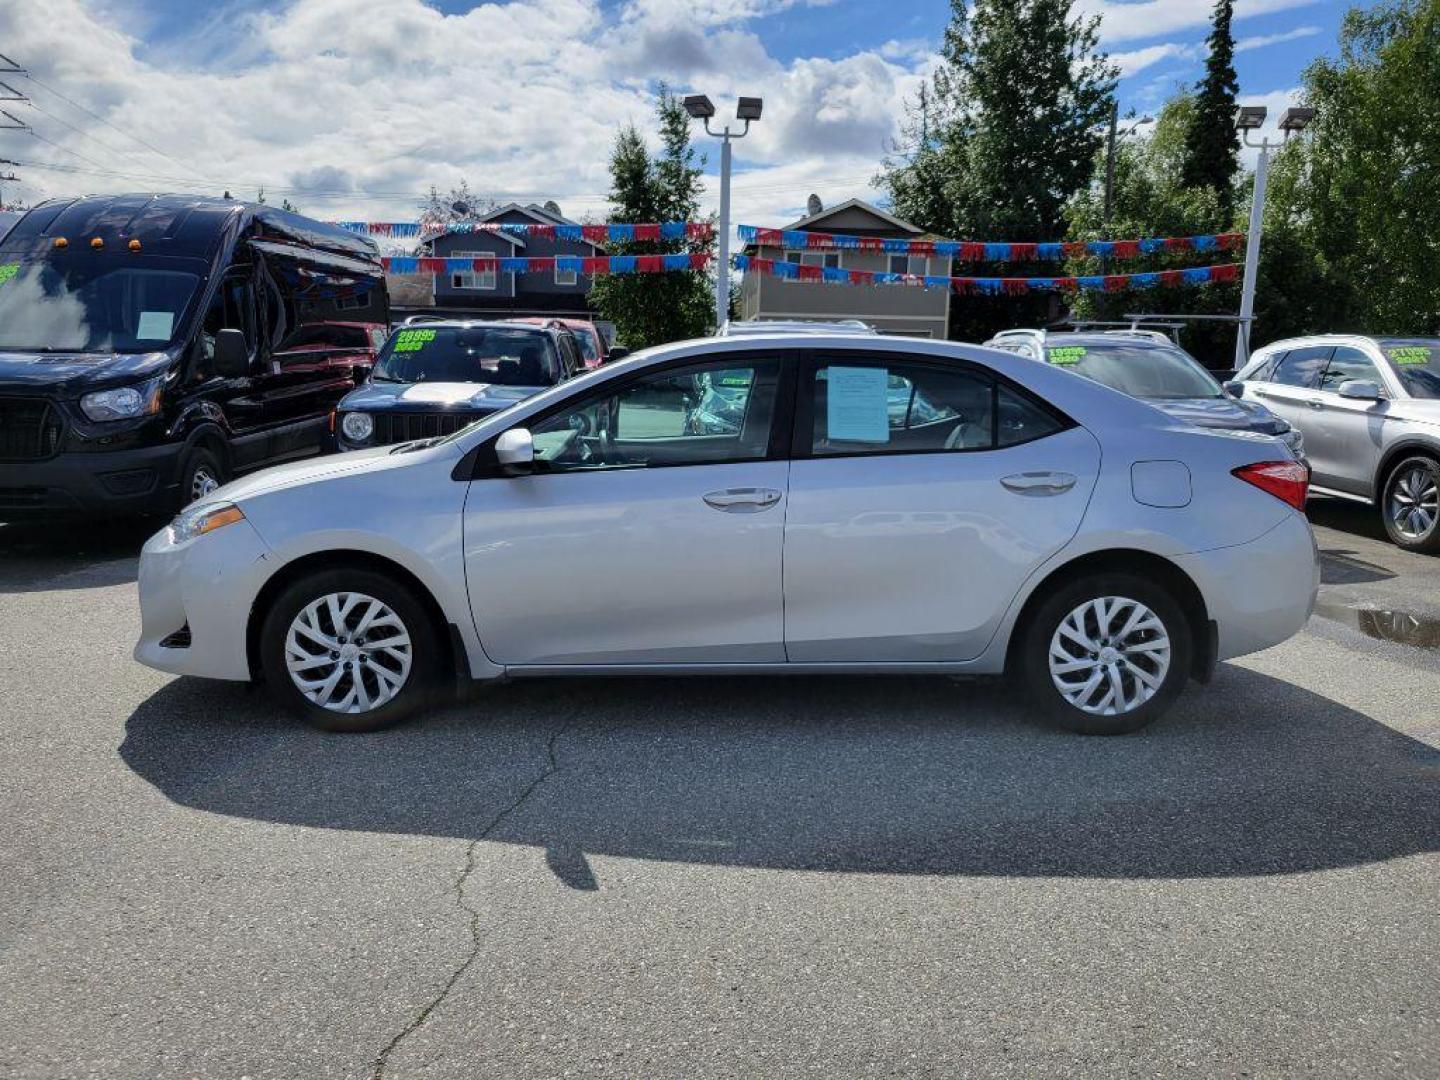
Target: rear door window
{"points": [[1302, 367]]}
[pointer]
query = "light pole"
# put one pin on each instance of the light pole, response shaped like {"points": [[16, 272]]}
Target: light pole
{"points": [[700, 108], [1114, 136], [1248, 118]]}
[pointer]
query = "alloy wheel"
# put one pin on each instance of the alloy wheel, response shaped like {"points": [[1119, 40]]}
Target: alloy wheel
{"points": [[348, 652], [1414, 502], [1109, 656]]}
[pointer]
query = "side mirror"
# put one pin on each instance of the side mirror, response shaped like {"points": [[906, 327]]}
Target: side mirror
{"points": [[232, 355], [617, 352], [515, 451], [1359, 390], [1234, 387]]}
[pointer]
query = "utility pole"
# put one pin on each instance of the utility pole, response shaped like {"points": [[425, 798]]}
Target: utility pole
{"points": [[1110, 166]]}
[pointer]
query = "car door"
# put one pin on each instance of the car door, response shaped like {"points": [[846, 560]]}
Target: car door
{"points": [[1290, 392], [1345, 449], [649, 532], [909, 533]]}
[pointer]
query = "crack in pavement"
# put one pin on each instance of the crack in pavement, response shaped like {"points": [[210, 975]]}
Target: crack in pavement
{"points": [[382, 1060]]}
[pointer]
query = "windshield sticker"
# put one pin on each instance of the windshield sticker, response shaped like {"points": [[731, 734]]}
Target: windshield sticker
{"points": [[1068, 354], [413, 340], [155, 326], [7, 271], [857, 406], [1410, 355]]}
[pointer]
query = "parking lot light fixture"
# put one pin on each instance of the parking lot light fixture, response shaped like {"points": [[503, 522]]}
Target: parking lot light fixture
{"points": [[1248, 118], [749, 109]]}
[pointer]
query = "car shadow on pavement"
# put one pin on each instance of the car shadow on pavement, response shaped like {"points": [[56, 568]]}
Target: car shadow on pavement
{"points": [[37, 557], [1251, 775]]}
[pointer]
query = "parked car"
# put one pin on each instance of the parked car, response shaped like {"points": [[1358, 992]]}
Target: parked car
{"points": [[433, 378], [1370, 411], [592, 345], [1146, 364], [153, 346], [1040, 524]]}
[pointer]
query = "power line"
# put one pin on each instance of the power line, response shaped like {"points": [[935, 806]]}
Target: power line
{"points": [[65, 149], [79, 131]]}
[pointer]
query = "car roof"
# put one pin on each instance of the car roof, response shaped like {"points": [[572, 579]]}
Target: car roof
{"points": [[1304, 340]]}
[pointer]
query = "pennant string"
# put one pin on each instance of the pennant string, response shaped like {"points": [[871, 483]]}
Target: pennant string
{"points": [[979, 251]]}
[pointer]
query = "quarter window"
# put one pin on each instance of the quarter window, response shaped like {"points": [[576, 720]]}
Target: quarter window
{"points": [[701, 414], [1302, 367], [1348, 363]]}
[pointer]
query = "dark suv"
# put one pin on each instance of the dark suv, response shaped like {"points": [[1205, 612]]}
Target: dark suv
{"points": [[432, 378]]}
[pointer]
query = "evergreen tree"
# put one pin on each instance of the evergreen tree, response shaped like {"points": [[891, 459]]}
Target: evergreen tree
{"points": [[1005, 134], [1212, 152], [650, 309]]}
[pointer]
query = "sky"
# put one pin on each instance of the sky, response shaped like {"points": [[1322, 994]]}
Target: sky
{"points": [[352, 109]]}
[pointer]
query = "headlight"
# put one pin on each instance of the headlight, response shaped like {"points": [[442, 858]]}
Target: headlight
{"points": [[123, 402], [199, 520], [357, 426]]}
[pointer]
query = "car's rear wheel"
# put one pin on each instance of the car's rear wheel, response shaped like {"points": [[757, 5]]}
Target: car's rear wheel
{"points": [[1410, 505], [1107, 654], [350, 650]]}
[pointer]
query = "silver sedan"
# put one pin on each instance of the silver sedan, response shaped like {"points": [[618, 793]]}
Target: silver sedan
{"points": [[874, 505]]}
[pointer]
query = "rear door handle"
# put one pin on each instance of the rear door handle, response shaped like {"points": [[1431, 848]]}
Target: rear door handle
{"points": [[1038, 483], [742, 500], [1315, 403]]}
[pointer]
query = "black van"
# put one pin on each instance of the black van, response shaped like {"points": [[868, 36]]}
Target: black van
{"points": [[152, 346]]}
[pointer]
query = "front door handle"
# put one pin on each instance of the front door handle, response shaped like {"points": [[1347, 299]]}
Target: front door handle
{"points": [[742, 500], [1038, 483]]}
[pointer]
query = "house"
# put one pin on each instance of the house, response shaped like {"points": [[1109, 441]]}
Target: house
{"points": [[501, 294], [891, 309]]}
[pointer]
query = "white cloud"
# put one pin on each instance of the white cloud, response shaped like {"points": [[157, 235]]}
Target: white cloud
{"points": [[1137, 60], [1128, 20], [1260, 41]]}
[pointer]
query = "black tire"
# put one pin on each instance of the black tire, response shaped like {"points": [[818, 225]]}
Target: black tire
{"points": [[1043, 626], [1423, 541], [201, 469], [426, 659]]}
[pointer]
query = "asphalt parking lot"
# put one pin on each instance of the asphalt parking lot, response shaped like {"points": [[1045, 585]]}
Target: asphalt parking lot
{"points": [[720, 878]]}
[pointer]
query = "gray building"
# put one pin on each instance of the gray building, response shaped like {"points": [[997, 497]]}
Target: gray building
{"points": [[498, 294], [891, 309]]}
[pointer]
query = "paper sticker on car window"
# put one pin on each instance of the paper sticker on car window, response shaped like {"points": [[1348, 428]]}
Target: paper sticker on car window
{"points": [[1409, 355], [1067, 354], [155, 326], [856, 405], [413, 340], [7, 271]]}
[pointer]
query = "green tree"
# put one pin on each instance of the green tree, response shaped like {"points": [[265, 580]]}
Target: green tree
{"points": [[1352, 222], [1212, 151], [1004, 135], [650, 309]]}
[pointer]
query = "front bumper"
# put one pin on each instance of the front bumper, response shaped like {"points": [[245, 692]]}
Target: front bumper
{"points": [[1259, 593], [196, 599], [117, 482]]}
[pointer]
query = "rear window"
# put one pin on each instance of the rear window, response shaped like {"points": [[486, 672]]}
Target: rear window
{"points": [[502, 356], [1156, 372]]}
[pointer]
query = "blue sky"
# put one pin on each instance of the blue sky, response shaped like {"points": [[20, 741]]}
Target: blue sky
{"points": [[354, 107]]}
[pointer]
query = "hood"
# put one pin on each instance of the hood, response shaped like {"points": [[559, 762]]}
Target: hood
{"points": [[1224, 413], [71, 374], [1418, 410], [434, 397], [310, 470]]}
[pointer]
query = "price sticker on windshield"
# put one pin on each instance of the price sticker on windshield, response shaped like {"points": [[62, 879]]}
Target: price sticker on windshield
{"points": [[1067, 354], [8, 271], [1409, 355], [413, 340]]}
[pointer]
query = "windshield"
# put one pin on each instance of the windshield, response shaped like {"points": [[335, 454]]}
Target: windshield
{"points": [[1417, 363], [481, 354], [1140, 370], [91, 305]]}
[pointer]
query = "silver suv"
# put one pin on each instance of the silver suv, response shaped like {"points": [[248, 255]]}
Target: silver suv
{"points": [[1370, 411]]}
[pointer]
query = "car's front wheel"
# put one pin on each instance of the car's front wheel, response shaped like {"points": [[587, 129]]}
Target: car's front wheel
{"points": [[1410, 505], [349, 650], [1107, 654]]}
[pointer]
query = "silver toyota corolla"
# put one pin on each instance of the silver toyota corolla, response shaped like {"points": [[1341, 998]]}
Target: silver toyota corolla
{"points": [[1369, 408], [870, 504]]}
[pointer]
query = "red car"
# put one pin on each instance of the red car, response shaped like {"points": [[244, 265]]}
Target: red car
{"points": [[592, 345]]}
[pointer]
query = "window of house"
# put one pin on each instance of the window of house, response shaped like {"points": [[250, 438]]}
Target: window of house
{"points": [[565, 277], [909, 264], [814, 258], [473, 279]]}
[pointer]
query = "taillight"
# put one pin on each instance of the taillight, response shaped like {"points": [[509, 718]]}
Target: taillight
{"points": [[1288, 481]]}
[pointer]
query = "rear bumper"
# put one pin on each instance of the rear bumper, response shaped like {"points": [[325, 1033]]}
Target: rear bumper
{"points": [[120, 482], [1261, 593], [196, 598]]}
